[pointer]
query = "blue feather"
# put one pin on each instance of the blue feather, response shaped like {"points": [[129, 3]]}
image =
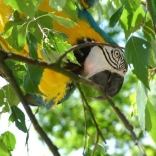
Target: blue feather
{"points": [[37, 100], [85, 15]]}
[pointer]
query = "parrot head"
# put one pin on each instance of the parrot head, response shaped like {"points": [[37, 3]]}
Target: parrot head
{"points": [[105, 65]]}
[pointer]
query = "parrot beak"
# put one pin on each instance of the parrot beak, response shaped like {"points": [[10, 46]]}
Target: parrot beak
{"points": [[110, 82]]}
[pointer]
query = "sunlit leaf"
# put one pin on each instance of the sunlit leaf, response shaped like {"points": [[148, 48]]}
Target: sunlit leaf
{"points": [[141, 100], [3, 150], [18, 117], [58, 43], [8, 96], [137, 18], [131, 5], [55, 46], [71, 10], [116, 16], [18, 69], [9, 140], [130, 22], [59, 4], [28, 7], [124, 23], [66, 22], [132, 98], [150, 120], [36, 31], [17, 39], [137, 52]]}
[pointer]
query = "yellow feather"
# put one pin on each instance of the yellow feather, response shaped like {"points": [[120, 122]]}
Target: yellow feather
{"points": [[53, 85], [83, 29], [5, 14]]}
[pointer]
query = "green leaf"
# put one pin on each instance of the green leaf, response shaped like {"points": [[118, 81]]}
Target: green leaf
{"points": [[152, 10], [8, 96], [153, 50], [148, 29], [18, 117], [17, 39], [3, 150], [100, 151], [18, 69], [130, 22], [32, 79], [55, 46], [34, 29], [131, 5], [9, 140], [32, 44], [71, 9], [116, 16], [57, 41], [66, 22], [138, 17], [59, 4], [25, 6], [124, 23], [137, 52], [44, 20], [150, 120], [50, 55], [132, 98], [141, 100]]}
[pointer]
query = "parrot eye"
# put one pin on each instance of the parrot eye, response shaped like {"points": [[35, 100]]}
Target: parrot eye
{"points": [[116, 53]]}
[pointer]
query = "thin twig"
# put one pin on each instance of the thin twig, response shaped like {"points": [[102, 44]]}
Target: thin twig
{"points": [[14, 84], [85, 120], [76, 47], [91, 113], [76, 78]]}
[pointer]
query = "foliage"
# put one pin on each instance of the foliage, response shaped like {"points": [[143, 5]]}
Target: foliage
{"points": [[30, 32]]}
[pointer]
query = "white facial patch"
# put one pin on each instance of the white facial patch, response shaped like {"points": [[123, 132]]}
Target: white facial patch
{"points": [[97, 61]]}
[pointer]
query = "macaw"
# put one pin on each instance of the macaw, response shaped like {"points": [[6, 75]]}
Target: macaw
{"points": [[104, 65]]}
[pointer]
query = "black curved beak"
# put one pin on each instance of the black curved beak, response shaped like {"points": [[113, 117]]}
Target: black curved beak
{"points": [[110, 82]]}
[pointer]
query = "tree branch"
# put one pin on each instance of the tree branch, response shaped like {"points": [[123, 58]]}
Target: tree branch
{"points": [[10, 78], [87, 44], [78, 79]]}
